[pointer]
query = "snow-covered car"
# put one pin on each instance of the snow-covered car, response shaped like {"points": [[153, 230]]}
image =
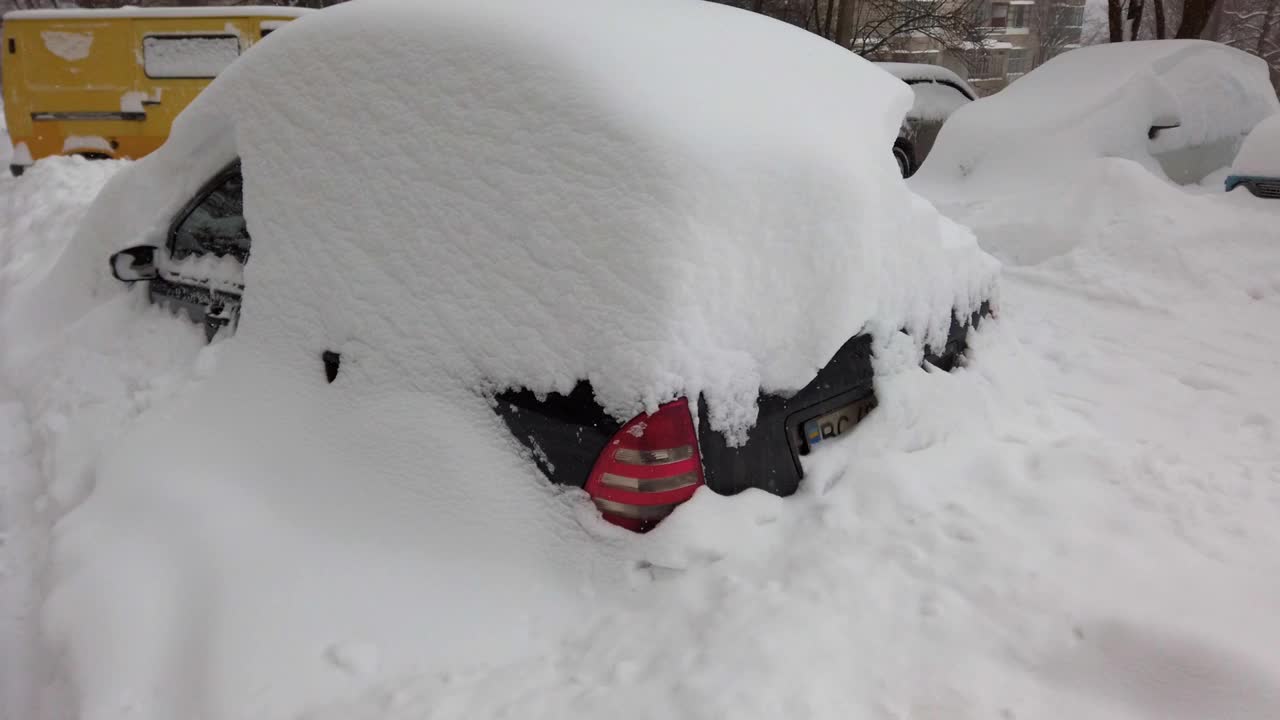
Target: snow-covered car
{"points": [[1257, 166], [938, 92], [1179, 107], [652, 298]]}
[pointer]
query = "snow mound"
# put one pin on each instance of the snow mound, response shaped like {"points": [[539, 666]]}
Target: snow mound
{"points": [[41, 209], [536, 205], [1260, 153], [1103, 101], [1109, 233]]}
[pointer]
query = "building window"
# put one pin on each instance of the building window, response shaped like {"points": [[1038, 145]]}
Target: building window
{"points": [[1019, 62], [1069, 15], [1018, 15], [999, 15]]}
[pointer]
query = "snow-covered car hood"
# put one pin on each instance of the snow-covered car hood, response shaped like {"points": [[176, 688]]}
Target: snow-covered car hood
{"points": [[1103, 101], [532, 205]]}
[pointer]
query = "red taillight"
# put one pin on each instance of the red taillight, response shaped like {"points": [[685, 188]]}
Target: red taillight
{"points": [[648, 468]]}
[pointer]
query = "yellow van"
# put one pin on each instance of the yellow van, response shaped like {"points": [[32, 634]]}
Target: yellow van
{"points": [[108, 83]]}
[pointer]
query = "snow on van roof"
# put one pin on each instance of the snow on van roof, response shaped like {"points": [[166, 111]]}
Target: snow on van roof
{"points": [[156, 12], [662, 212]]}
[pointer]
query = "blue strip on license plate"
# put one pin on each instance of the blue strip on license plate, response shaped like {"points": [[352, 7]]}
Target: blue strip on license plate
{"points": [[837, 422]]}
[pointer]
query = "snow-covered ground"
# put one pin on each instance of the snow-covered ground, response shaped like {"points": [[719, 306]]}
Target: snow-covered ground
{"points": [[1077, 523], [1081, 523]]}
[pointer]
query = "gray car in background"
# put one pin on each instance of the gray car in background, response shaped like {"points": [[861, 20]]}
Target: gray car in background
{"points": [[938, 93]]}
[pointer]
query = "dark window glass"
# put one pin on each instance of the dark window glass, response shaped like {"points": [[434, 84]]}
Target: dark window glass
{"points": [[216, 225], [999, 15]]}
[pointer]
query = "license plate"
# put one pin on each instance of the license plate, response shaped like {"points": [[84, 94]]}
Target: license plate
{"points": [[828, 426]]}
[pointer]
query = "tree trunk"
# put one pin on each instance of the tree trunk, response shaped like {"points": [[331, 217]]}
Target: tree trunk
{"points": [[1213, 29], [757, 6], [826, 24], [1115, 21], [1135, 18], [844, 23], [1265, 32], [1195, 15], [1161, 31]]}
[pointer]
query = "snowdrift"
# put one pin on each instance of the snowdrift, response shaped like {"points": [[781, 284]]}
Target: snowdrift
{"points": [[1119, 233]]}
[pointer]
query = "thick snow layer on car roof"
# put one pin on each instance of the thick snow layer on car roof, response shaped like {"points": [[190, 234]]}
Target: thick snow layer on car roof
{"points": [[1260, 153], [479, 193], [935, 89], [1102, 101], [921, 71], [157, 12]]}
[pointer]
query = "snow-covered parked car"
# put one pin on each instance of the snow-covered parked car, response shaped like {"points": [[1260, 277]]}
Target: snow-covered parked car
{"points": [[660, 268], [937, 92], [1179, 107], [1257, 166]]}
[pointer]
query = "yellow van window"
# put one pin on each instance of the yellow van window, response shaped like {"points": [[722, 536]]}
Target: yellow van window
{"points": [[188, 56]]}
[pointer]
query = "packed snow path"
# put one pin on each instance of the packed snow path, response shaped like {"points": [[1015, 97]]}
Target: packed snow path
{"points": [[1082, 523]]}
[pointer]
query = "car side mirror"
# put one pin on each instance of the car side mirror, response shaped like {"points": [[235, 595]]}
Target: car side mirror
{"points": [[135, 263], [1154, 130]]}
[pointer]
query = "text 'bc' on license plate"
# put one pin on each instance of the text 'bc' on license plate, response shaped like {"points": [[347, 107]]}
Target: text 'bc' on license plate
{"points": [[837, 422]]}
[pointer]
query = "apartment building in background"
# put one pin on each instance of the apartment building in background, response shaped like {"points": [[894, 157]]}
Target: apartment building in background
{"points": [[1021, 34]]}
